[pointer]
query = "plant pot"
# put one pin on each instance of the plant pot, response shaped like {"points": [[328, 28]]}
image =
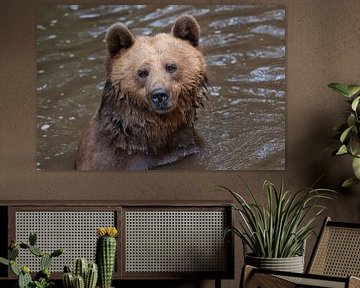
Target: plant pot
{"points": [[291, 264]]}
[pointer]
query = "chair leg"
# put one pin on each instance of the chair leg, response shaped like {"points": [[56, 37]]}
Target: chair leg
{"points": [[250, 278], [246, 273], [354, 282]]}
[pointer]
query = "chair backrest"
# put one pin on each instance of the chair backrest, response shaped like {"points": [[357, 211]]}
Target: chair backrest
{"points": [[337, 251]]}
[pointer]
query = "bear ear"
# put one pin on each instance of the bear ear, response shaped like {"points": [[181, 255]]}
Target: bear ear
{"points": [[118, 37], [187, 28]]}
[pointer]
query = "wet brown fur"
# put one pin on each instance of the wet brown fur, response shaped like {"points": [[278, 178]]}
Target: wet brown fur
{"points": [[126, 132]]}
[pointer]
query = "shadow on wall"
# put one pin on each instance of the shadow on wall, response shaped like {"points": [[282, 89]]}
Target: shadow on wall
{"points": [[322, 166]]}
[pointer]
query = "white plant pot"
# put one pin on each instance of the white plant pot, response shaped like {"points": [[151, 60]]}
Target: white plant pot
{"points": [[291, 264]]}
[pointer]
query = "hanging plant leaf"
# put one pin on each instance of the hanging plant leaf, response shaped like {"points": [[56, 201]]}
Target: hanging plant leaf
{"points": [[349, 132], [345, 134], [355, 103], [342, 150], [353, 89], [351, 119], [340, 88], [354, 145], [356, 167], [349, 182]]}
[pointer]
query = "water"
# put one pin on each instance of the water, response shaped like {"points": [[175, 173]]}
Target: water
{"points": [[243, 123]]}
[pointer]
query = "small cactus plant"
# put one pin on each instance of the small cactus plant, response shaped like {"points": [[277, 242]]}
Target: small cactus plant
{"points": [[85, 275], [81, 267], [42, 278], [106, 254]]}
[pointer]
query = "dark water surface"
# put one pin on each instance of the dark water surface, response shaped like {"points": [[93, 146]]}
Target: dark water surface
{"points": [[243, 123]]}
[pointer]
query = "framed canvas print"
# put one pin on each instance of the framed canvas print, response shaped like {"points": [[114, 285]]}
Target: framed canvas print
{"points": [[141, 87]]}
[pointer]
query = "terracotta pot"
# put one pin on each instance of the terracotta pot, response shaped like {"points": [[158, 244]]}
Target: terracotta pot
{"points": [[291, 264]]}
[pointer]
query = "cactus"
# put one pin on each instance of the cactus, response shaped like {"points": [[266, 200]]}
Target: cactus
{"points": [[57, 252], [79, 282], [80, 267], [13, 253], [88, 273], [105, 254], [67, 269], [44, 273], [91, 276], [36, 251], [45, 261], [24, 278], [24, 246], [32, 238], [68, 280], [14, 268]]}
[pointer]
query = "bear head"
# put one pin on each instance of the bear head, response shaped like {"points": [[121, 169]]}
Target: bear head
{"points": [[163, 74]]}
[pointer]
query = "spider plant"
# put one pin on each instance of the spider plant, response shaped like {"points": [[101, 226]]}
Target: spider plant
{"points": [[279, 229]]}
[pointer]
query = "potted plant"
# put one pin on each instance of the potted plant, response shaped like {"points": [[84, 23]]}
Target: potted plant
{"points": [[87, 274], [348, 133], [84, 274], [276, 233], [106, 254], [42, 278]]}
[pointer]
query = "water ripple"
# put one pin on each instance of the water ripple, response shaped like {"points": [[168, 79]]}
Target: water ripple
{"points": [[236, 21], [268, 52], [269, 30]]}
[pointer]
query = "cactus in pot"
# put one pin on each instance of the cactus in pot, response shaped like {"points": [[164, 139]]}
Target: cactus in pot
{"points": [[68, 278], [79, 282], [106, 254], [81, 266], [25, 279], [42, 278], [85, 275], [91, 276]]}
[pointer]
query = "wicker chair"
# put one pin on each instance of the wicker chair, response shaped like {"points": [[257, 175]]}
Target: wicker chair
{"points": [[334, 263]]}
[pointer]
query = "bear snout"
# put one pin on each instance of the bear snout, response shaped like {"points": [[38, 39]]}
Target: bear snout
{"points": [[160, 100]]}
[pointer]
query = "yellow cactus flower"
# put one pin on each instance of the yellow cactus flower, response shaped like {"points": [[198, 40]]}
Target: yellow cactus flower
{"points": [[106, 231]]}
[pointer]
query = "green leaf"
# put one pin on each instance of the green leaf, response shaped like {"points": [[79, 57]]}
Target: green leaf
{"points": [[13, 253], [354, 145], [351, 120], [279, 228], [4, 261], [342, 150], [353, 89], [14, 268], [356, 167], [340, 88], [36, 251], [57, 252], [345, 134], [349, 182], [45, 261], [32, 238], [23, 245], [355, 103]]}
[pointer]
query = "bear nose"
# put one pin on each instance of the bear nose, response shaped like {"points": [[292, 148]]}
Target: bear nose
{"points": [[159, 97]]}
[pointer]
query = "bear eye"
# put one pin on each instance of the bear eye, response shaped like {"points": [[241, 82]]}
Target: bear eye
{"points": [[170, 68], [143, 73]]}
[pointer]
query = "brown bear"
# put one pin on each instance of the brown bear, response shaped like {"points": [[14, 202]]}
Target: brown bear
{"points": [[153, 88]]}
